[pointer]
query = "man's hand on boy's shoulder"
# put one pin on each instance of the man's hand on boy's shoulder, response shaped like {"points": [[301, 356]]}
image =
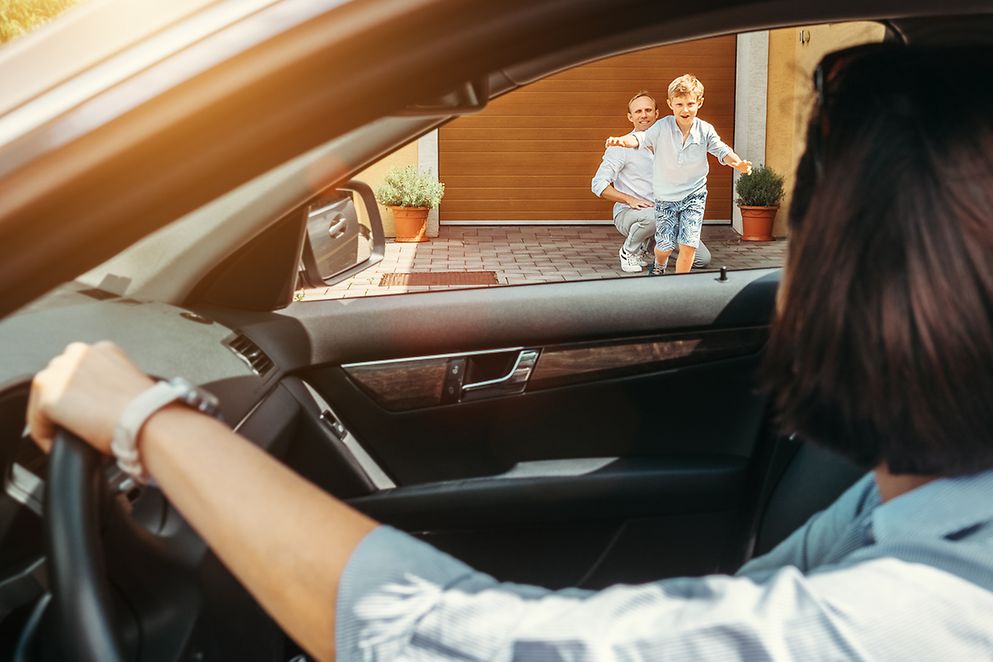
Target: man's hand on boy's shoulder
{"points": [[621, 141]]}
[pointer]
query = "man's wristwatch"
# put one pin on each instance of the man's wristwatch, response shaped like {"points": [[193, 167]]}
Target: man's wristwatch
{"points": [[125, 441]]}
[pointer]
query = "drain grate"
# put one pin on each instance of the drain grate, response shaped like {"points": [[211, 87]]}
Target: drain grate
{"points": [[439, 278]]}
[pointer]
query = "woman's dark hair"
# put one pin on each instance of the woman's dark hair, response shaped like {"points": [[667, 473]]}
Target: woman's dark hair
{"points": [[883, 346]]}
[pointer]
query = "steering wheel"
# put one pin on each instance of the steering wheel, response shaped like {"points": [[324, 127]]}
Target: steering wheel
{"points": [[175, 602], [81, 593]]}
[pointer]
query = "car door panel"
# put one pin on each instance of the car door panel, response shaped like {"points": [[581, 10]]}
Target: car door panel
{"points": [[532, 494], [338, 332], [673, 487], [620, 417], [414, 383], [594, 554], [632, 453], [578, 529]]}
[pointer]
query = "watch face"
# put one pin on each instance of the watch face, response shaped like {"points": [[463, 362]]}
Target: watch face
{"points": [[196, 397]]}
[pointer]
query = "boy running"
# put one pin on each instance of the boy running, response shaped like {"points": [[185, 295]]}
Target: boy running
{"points": [[625, 178], [679, 179]]}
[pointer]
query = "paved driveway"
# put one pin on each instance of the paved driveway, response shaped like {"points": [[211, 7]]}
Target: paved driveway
{"points": [[487, 256]]}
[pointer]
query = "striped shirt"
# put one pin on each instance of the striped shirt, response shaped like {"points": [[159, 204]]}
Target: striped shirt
{"points": [[911, 578]]}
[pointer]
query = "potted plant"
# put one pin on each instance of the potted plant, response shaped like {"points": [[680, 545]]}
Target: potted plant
{"points": [[410, 194], [758, 198]]}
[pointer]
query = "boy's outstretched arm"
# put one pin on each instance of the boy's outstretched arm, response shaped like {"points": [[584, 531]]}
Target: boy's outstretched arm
{"points": [[736, 162], [622, 141]]}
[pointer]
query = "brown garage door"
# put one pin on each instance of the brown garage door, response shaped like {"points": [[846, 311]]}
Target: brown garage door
{"points": [[531, 154]]}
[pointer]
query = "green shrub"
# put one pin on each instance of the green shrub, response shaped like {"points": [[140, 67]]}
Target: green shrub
{"points": [[20, 16], [762, 188], [409, 187]]}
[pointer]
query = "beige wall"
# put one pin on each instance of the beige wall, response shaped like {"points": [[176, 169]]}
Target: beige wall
{"points": [[791, 64], [376, 173]]}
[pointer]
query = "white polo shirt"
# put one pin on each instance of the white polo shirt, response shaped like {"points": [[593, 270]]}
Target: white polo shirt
{"points": [[629, 170], [680, 169]]}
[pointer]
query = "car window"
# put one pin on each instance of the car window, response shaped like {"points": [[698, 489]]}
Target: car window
{"points": [[519, 203]]}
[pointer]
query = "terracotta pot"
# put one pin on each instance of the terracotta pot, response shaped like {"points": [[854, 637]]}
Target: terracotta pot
{"points": [[756, 222], [411, 223]]}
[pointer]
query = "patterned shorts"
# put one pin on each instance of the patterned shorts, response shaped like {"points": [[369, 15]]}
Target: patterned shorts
{"points": [[679, 222]]}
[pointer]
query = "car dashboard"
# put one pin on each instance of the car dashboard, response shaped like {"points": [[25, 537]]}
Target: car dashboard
{"points": [[256, 399]]}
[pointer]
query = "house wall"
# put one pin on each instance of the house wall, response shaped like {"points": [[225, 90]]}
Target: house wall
{"points": [[793, 55], [751, 98]]}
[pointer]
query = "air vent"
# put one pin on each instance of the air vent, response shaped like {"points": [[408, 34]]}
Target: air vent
{"points": [[250, 353]]}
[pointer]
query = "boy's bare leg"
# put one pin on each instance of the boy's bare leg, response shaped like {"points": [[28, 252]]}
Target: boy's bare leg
{"points": [[684, 261], [662, 256]]}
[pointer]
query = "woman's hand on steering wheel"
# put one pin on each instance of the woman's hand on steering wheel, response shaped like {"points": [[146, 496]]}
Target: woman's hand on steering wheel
{"points": [[85, 389]]}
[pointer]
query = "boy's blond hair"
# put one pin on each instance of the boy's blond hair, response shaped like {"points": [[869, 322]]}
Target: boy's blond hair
{"points": [[685, 86], [642, 93]]}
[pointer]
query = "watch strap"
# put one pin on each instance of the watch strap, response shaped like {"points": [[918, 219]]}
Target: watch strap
{"points": [[124, 443]]}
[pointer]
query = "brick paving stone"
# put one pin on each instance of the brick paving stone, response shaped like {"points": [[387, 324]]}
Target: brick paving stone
{"points": [[533, 254]]}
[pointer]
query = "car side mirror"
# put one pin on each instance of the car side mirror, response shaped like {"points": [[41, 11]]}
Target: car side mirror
{"points": [[344, 235]]}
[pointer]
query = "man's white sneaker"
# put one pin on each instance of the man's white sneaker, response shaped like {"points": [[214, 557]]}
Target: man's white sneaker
{"points": [[645, 258], [629, 263]]}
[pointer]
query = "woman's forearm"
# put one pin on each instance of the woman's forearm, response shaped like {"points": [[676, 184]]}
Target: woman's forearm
{"points": [[299, 538]]}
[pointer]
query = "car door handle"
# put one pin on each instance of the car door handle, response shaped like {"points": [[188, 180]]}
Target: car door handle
{"points": [[338, 229], [512, 383]]}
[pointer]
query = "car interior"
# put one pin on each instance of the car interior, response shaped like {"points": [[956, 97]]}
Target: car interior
{"points": [[573, 434]]}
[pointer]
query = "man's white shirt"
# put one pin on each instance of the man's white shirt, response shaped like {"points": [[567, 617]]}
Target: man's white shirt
{"points": [[629, 170]]}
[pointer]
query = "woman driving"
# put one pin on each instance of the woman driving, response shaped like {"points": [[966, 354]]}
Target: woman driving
{"points": [[881, 350]]}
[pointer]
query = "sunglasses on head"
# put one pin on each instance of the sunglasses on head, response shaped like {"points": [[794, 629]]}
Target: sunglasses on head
{"points": [[826, 76]]}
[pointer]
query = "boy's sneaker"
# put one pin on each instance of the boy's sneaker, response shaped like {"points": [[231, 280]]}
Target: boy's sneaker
{"points": [[657, 270], [629, 262]]}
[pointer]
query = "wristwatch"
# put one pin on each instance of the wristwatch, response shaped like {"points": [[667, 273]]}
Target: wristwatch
{"points": [[136, 414]]}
